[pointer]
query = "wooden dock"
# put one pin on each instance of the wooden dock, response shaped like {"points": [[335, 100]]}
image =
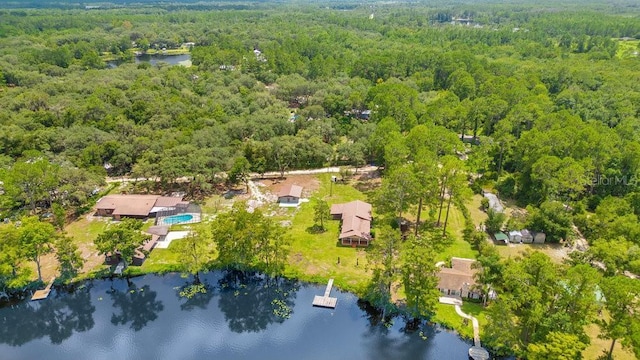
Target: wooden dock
{"points": [[326, 301], [43, 294]]}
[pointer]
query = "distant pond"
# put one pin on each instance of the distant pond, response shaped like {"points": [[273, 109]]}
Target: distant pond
{"points": [[240, 317], [183, 59]]}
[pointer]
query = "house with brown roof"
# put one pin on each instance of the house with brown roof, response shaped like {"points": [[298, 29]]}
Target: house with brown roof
{"points": [[459, 279], [136, 206], [290, 195], [356, 222]]}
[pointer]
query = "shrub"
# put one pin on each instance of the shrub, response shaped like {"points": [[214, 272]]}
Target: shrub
{"points": [[494, 221], [476, 187], [506, 186], [484, 203]]}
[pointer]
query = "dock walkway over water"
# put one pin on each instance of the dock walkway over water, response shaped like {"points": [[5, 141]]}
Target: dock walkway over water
{"points": [[325, 300], [43, 294]]}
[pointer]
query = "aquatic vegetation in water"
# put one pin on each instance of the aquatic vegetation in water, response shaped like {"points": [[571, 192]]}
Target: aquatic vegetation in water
{"points": [[281, 309], [192, 290]]}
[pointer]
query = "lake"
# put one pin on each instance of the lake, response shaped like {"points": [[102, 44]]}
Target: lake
{"points": [[184, 59], [240, 317]]}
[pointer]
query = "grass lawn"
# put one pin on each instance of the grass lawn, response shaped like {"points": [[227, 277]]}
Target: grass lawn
{"points": [[83, 230], [475, 209], [161, 260], [446, 315], [459, 247], [314, 257], [555, 251], [215, 203]]}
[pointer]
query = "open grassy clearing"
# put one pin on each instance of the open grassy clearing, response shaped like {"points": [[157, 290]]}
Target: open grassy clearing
{"points": [[160, 260], [215, 203], [475, 209], [459, 247], [556, 252]]}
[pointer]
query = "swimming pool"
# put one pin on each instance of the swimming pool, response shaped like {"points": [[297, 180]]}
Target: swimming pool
{"points": [[177, 219]]}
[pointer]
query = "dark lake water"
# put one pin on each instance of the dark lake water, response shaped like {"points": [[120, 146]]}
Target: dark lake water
{"points": [[154, 59], [238, 318]]}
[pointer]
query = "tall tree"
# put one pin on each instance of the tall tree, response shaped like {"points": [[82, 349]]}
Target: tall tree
{"points": [[59, 216], [70, 261], [12, 255], [123, 238], [426, 169], [283, 153], [537, 297], [419, 277], [239, 172], [398, 191], [490, 268], [382, 259], [37, 238], [494, 221], [32, 181], [232, 235], [557, 346], [451, 178], [321, 212], [622, 302], [195, 250], [456, 189], [272, 246], [246, 240]]}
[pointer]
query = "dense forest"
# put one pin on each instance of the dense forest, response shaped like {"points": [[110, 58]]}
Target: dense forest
{"points": [[540, 103]]}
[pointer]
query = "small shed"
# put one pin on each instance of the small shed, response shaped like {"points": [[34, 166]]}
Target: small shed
{"points": [[539, 238], [527, 236], [515, 236], [501, 238], [290, 195]]}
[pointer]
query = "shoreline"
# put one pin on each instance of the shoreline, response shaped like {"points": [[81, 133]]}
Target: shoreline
{"points": [[17, 296]]}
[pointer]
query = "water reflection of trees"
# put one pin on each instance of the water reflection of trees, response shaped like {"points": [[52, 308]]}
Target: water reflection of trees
{"points": [[56, 318], [199, 299], [137, 306], [414, 342], [251, 301], [374, 316]]}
